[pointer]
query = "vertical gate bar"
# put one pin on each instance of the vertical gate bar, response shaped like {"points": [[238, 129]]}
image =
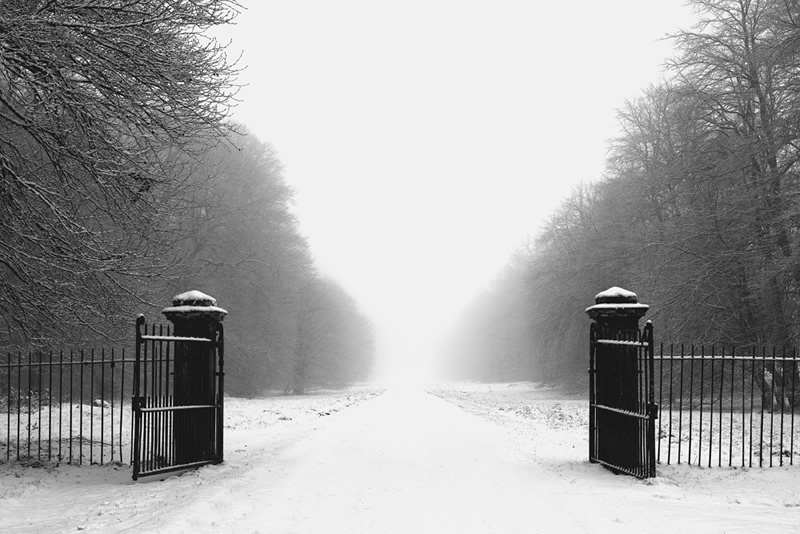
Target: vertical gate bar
{"points": [[158, 415], [642, 465], [149, 346], [50, 410], [711, 407], [150, 398], [19, 401], [80, 429], [192, 433], [135, 403], [146, 423], [156, 364], [652, 410], [744, 422], [168, 416], [171, 458], [170, 364], [752, 400], [111, 422], [102, 402], [159, 428], [163, 394], [156, 358], [761, 430], [145, 418], [660, 396], [691, 399], [162, 402], [592, 386], [16, 399], [733, 381], [772, 409], [783, 397], [171, 432], [8, 415], [152, 452], [39, 409], [702, 399], [28, 389], [60, 399], [150, 429], [71, 397], [639, 449], [671, 402], [91, 410], [123, 362], [721, 395], [752, 407], [155, 448], [640, 375], [794, 386], [144, 366], [221, 393], [680, 410]]}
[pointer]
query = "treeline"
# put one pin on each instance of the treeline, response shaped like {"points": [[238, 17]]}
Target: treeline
{"points": [[698, 211], [123, 182]]}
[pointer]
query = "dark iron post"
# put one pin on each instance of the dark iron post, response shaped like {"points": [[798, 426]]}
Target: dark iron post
{"points": [[195, 315], [614, 380]]}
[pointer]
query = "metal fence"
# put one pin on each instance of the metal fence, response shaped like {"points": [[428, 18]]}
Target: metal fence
{"points": [[726, 406], [65, 406]]}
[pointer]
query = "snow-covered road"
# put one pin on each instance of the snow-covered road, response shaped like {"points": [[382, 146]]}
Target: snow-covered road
{"points": [[409, 461], [404, 462]]}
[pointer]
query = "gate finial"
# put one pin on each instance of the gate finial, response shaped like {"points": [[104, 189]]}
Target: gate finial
{"points": [[617, 306], [194, 306]]}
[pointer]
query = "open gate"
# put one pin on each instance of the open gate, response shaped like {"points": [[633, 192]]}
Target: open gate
{"points": [[177, 399], [622, 408]]}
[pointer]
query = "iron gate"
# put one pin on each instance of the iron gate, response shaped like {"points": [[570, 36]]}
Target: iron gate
{"points": [[622, 409], [176, 425]]}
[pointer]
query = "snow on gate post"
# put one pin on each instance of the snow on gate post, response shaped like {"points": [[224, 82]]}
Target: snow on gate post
{"points": [[194, 315], [614, 379]]}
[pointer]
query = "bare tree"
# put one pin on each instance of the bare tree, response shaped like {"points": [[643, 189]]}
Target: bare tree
{"points": [[96, 101], [335, 344]]}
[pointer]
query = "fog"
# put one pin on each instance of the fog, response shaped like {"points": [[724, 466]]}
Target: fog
{"points": [[427, 140]]}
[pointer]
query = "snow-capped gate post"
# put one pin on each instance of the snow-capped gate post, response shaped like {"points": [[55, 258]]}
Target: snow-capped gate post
{"points": [[621, 400], [197, 381]]}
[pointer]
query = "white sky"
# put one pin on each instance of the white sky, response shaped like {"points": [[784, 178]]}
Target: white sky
{"points": [[426, 139]]}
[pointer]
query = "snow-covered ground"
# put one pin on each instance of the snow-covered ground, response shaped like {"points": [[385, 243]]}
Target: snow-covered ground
{"points": [[457, 458], [75, 433]]}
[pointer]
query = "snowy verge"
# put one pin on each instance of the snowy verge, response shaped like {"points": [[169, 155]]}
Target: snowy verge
{"points": [[553, 429], [48, 497]]}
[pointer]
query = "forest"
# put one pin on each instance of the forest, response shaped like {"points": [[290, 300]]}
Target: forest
{"points": [[124, 182], [698, 211]]}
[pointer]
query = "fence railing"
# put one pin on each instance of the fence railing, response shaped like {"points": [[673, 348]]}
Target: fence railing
{"points": [[727, 407], [71, 407]]}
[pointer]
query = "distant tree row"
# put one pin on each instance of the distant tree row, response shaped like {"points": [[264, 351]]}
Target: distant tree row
{"points": [[698, 213], [123, 183], [237, 240]]}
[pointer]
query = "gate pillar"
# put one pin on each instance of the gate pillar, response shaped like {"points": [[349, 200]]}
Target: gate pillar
{"points": [[614, 378], [194, 315]]}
